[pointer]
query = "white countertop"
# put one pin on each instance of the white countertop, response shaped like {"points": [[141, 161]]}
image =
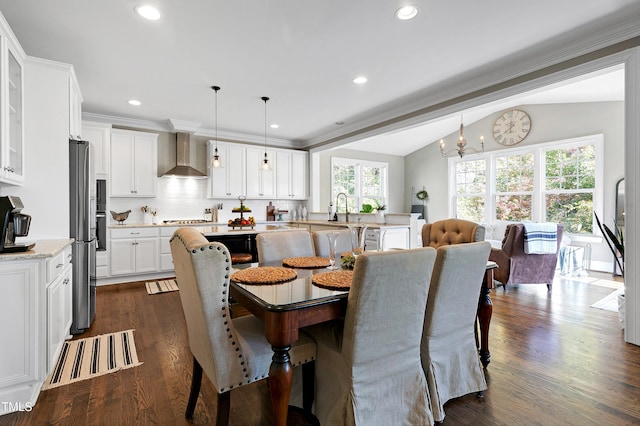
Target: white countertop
{"points": [[345, 224], [42, 250]]}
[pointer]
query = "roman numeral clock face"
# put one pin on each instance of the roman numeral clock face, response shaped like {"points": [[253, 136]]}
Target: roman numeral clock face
{"points": [[511, 127]]}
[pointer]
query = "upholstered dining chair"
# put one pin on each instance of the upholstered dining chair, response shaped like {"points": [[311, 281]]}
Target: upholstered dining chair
{"points": [[321, 242], [449, 352], [368, 369], [231, 352], [451, 231], [275, 246]]}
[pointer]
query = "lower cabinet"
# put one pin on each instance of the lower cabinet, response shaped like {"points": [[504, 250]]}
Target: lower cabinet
{"points": [[134, 250], [59, 313], [35, 319], [166, 260]]}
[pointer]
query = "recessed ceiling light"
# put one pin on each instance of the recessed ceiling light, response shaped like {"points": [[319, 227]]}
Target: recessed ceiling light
{"points": [[360, 79], [148, 12], [407, 12], [274, 126], [135, 102]]}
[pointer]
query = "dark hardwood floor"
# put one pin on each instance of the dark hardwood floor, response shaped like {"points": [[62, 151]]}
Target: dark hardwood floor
{"points": [[554, 361]]}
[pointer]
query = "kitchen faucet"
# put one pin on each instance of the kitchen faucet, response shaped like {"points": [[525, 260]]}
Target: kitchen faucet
{"points": [[346, 207]]}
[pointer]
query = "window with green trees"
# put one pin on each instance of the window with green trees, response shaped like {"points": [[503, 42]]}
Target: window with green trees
{"points": [[552, 182], [364, 182]]}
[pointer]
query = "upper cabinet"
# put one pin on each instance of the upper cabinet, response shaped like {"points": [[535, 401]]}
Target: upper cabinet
{"points": [[75, 108], [98, 135], [240, 173], [228, 180], [11, 107], [134, 163], [260, 183], [292, 175]]}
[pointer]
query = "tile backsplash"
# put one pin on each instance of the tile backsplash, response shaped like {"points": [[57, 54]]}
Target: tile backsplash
{"points": [[180, 198]]}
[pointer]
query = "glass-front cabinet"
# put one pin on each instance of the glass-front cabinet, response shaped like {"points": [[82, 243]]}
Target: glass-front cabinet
{"points": [[12, 111]]}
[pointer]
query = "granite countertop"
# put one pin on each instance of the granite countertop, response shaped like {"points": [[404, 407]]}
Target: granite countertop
{"points": [[42, 250]]}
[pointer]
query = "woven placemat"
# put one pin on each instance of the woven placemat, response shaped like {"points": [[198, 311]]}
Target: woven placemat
{"points": [[334, 280], [264, 275], [306, 262]]}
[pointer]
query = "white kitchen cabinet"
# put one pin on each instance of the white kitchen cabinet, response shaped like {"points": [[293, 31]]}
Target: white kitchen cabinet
{"points": [[166, 260], [35, 319], [102, 264], [59, 303], [292, 175], [134, 250], [394, 238], [228, 181], [75, 108], [98, 135], [260, 183], [21, 316], [12, 110], [134, 163]]}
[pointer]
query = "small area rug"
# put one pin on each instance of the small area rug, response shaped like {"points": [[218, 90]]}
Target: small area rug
{"points": [[609, 303], [93, 356], [163, 286]]}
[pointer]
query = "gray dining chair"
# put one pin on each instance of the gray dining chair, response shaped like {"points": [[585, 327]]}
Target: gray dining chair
{"points": [[449, 352], [321, 242], [275, 246], [231, 352], [368, 369]]}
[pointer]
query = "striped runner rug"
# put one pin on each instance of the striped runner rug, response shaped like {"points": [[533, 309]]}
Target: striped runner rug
{"points": [[162, 286], [93, 356]]}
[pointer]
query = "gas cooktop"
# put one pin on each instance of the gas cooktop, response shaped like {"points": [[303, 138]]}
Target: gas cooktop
{"points": [[184, 221]]}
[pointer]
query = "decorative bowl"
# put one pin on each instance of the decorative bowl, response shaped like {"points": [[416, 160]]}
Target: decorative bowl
{"points": [[120, 217]]}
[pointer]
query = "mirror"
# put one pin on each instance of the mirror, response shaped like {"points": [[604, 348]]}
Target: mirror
{"points": [[619, 216]]}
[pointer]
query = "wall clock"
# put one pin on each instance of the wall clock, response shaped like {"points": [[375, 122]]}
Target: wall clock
{"points": [[511, 127]]}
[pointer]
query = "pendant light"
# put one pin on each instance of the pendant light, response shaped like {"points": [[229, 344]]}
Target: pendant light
{"points": [[265, 165], [215, 161]]}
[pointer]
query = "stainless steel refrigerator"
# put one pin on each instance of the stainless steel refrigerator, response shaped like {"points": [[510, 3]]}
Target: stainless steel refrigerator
{"points": [[82, 229]]}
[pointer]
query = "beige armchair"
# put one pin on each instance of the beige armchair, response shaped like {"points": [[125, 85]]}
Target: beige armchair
{"points": [[448, 351], [368, 369], [231, 352], [451, 231]]}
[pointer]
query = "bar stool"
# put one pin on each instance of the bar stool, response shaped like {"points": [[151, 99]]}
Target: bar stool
{"points": [[241, 258]]}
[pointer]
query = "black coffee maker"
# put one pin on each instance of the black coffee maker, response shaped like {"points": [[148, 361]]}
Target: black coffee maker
{"points": [[13, 224]]}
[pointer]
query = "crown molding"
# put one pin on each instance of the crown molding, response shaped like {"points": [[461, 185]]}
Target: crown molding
{"points": [[172, 125]]}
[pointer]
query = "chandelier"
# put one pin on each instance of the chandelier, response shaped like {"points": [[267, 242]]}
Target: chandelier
{"points": [[461, 145]]}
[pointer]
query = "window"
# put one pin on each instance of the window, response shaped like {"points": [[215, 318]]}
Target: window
{"points": [[555, 182], [569, 187], [514, 187], [471, 183], [363, 182]]}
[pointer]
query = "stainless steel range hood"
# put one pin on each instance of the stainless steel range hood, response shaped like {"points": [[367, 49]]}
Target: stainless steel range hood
{"points": [[184, 167]]}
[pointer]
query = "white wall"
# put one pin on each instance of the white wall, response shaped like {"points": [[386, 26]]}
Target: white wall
{"points": [[45, 191], [549, 122]]}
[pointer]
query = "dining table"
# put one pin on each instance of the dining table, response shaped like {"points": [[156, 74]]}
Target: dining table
{"points": [[287, 307]]}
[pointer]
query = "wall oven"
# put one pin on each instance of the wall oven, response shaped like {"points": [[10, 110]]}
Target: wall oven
{"points": [[101, 214]]}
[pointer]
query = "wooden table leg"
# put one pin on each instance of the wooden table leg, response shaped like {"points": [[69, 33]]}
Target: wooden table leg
{"points": [[485, 309], [280, 383]]}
